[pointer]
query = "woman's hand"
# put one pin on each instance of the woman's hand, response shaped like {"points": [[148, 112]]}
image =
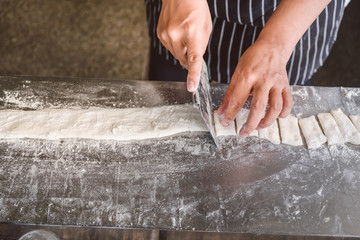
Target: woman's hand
{"points": [[184, 28], [262, 69], [262, 72]]}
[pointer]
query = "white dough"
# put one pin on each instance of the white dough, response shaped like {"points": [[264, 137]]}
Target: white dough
{"points": [[356, 121], [330, 129], [347, 129], [289, 131], [220, 129], [312, 132], [271, 133], [96, 123], [241, 119]]}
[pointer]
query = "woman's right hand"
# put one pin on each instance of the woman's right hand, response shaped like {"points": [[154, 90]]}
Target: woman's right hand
{"points": [[184, 28]]}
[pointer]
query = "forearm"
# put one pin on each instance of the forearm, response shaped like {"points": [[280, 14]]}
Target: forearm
{"points": [[289, 22]]}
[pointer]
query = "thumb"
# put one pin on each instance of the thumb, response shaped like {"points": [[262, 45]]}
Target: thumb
{"points": [[195, 63]]}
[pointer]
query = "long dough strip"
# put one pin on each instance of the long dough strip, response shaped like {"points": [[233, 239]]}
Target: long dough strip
{"points": [[96, 123]]}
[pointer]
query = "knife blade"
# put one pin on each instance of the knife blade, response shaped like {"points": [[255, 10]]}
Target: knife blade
{"points": [[204, 103]]}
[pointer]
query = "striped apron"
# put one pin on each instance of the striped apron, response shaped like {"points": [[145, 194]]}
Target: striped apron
{"points": [[236, 26]]}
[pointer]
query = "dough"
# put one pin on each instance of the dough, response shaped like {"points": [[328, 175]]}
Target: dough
{"points": [[220, 129], [289, 131], [271, 133], [312, 132], [96, 123], [241, 119], [356, 121], [330, 129], [347, 129]]}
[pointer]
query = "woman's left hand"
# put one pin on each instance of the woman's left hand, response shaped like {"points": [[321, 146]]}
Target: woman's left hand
{"points": [[261, 72]]}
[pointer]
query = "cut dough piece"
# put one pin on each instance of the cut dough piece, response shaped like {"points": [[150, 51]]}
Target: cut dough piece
{"points": [[97, 123], [241, 119], [289, 131], [271, 133], [356, 121], [220, 129], [312, 132], [330, 129], [347, 129]]}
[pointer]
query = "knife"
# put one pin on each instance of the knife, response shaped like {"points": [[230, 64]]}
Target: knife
{"points": [[203, 101]]}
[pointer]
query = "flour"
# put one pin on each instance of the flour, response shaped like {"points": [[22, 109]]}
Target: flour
{"points": [[350, 93], [96, 123], [300, 92], [21, 100]]}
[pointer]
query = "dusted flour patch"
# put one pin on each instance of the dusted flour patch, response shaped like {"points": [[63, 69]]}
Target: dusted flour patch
{"points": [[347, 129], [98, 123], [330, 129], [312, 132], [220, 129], [289, 131]]}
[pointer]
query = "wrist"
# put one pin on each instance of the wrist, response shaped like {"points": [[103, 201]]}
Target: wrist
{"points": [[273, 47], [283, 47]]}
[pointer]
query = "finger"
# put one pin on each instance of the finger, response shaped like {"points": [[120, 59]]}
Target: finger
{"points": [[172, 40], [227, 97], [237, 100], [288, 102], [195, 61], [258, 106], [164, 38], [275, 107], [180, 52]]}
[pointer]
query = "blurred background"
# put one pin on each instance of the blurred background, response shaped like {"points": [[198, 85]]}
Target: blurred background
{"points": [[108, 39]]}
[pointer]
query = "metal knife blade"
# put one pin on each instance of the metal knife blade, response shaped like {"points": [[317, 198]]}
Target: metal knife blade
{"points": [[203, 101]]}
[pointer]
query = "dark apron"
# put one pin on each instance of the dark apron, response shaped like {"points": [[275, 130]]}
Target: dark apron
{"points": [[236, 25]]}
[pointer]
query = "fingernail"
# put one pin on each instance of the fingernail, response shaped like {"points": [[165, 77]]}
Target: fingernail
{"points": [[221, 110], [194, 86], [191, 87], [242, 132]]}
